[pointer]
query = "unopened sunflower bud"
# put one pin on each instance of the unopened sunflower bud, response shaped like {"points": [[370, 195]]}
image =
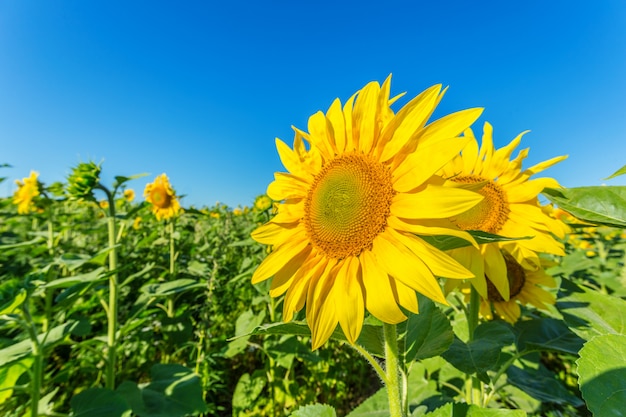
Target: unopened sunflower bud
{"points": [[82, 181]]}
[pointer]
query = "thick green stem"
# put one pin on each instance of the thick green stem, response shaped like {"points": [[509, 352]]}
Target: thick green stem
{"points": [[37, 369], [50, 237], [112, 311], [392, 370], [172, 250]]}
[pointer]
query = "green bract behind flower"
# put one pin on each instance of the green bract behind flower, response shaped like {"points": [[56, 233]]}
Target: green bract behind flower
{"points": [[83, 179]]}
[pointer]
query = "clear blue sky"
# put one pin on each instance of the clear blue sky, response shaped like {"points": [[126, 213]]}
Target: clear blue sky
{"points": [[199, 90]]}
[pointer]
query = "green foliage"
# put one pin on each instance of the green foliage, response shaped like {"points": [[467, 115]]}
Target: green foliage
{"points": [[598, 205]]}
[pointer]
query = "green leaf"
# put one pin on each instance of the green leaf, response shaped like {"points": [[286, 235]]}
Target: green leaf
{"points": [[244, 327], [119, 180], [617, 173], [10, 306], [371, 337], [99, 402], [465, 410], [541, 384], [444, 242], [315, 410], [599, 205], [98, 274], [171, 287], [483, 353], [247, 391], [428, 333], [602, 375], [22, 349], [547, 334], [173, 391], [589, 313], [9, 375]]}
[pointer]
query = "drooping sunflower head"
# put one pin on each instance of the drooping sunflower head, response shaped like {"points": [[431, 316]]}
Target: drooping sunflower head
{"points": [[527, 287], [510, 206], [360, 185], [262, 203], [27, 190], [82, 181], [161, 195]]}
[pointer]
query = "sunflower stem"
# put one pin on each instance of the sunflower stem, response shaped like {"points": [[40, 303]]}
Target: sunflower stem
{"points": [[112, 312], [392, 370], [38, 365]]}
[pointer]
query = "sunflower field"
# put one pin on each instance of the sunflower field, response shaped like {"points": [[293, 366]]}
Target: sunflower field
{"points": [[400, 267]]}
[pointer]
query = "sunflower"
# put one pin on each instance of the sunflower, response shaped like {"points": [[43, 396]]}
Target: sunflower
{"points": [[129, 194], [160, 194], [262, 203], [360, 186], [525, 288], [510, 208], [27, 190]]}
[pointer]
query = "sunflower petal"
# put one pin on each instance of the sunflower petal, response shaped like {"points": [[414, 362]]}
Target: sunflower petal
{"points": [[275, 260], [495, 269], [349, 303], [378, 291], [434, 202]]}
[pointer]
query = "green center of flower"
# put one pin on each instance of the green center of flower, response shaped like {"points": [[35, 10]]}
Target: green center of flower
{"points": [[348, 205], [491, 213], [516, 276], [160, 197]]}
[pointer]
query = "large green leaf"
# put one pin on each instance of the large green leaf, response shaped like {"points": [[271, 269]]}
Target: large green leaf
{"points": [[247, 391], [541, 384], [465, 410], [23, 348], [599, 205], [99, 402], [602, 375], [315, 410], [168, 288], [244, 326], [173, 391], [428, 333], [445, 242], [93, 276], [10, 305], [589, 313], [483, 352], [9, 375], [547, 334]]}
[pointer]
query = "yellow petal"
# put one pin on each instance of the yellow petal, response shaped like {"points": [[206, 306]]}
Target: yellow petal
{"points": [[399, 262], [287, 186], [319, 135], [379, 298], [434, 202], [336, 119], [495, 269], [351, 144], [296, 294], [364, 116], [472, 259], [449, 126], [277, 259], [283, 278], [350, 304], [544, 165], [430, 227], [529, 189], [405, 295], [276, 235], [291, 161]]}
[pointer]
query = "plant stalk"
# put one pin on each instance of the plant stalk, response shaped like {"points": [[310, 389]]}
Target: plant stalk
{"points": [[113, 307], [37, 370], [392, 370]]}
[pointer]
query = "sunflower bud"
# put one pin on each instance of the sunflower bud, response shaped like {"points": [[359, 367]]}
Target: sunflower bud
{"points": [[83, 179]]}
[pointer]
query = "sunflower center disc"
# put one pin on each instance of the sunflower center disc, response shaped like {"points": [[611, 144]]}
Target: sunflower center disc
{"points": [[348, 205], [516, 276], [160, 197], [490, 214]]}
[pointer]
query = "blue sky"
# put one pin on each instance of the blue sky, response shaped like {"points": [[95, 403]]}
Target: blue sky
{"points": [[199, 90]]}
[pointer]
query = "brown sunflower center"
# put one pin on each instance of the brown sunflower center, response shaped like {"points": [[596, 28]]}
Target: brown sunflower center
{"points": [[348, 205], [516, 276], [491, 213], [160, 197]]}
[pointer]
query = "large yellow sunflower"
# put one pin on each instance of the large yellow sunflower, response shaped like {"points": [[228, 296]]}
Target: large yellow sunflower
{"points": [[161, 195], [344, 235], [27, 190], [511, 208], [525, 288]]}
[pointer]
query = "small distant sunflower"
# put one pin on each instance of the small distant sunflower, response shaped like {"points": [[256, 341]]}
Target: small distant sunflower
{"points": [[237, 211], [525, 288], [137, 223], [262, 203], [27, 190], [129, 194], [511, 208], [161, 195], [104, 204], [344, 237]]}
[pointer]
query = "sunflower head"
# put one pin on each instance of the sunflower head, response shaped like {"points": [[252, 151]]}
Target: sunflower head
{"points": [[129, 194], [27, 190], [361, 185], [527, 287], [262, 203], [161, 195], [82, 181]]}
